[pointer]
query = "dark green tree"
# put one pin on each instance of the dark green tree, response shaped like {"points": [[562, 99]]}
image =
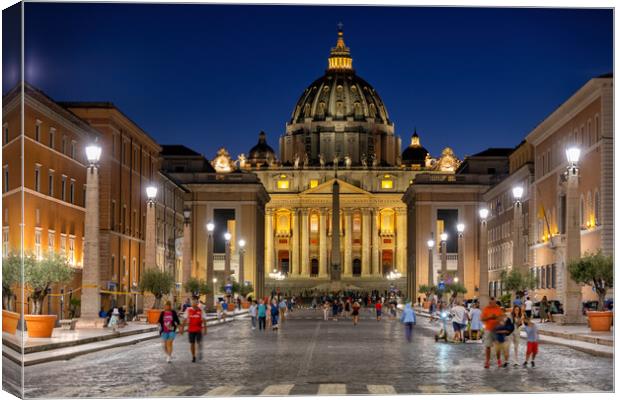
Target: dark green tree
{"points": [[596, 270]]}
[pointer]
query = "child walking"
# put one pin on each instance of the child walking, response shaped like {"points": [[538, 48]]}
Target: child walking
{"points": [[532, 341]]}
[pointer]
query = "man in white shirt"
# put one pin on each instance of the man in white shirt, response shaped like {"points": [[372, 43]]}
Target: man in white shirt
{"points": [[528, 307], [459, 320]]}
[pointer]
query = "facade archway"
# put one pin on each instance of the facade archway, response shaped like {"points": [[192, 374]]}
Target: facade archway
{"points": [[357, 267]]}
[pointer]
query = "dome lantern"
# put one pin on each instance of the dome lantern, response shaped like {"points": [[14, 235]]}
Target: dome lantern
{"points": [[415, 154], [340, 56]]}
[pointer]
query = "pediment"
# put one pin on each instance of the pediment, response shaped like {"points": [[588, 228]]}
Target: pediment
{"points": [[325, 188]]}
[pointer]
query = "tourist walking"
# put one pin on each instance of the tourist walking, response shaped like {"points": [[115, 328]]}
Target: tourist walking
{"points": [[275, 312], [335, 310], [514, 339], [325, 310], [408, 318], [504, 329], [195, 319], [459, 321], [491, 317], [355, 312], [475, 326], [262, 315], [532, 341], [283, 307], [544, 310], [253, 311], [224, 307], [528, 307], [378, 308], [168, 322]]}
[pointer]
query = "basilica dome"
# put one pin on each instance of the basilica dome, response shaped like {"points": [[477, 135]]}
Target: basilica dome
{"points": [[261, 153], [340, 117]]}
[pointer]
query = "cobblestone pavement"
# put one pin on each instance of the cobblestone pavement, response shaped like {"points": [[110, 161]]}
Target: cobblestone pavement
{"points": [[312, 356]]}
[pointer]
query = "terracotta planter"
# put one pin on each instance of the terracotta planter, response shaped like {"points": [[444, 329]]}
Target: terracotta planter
{"points": [[600, 321], [426, 305], [152, 315], [40, 326], [245, 305], [10, 320], [231, 307]]}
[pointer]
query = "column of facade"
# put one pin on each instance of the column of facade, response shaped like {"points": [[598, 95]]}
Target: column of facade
{"points": [[348, 242], [305, 242], [376, 240], [366, 242], [323, 243], [269, 247], [401, 240], [294, 261]]}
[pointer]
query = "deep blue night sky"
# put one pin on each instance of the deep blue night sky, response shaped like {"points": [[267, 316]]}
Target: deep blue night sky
{"points": [[207, 76]]}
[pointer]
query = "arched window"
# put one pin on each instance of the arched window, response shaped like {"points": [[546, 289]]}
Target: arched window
{"points": [[589, 210], [597, 133], [597, 208], [589, 132], [314, 223], [357, 267]]}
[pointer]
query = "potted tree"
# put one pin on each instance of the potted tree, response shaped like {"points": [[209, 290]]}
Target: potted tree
{"points": [[596, 270], [455, 288], [244, 290], [197, 287], [516, 283], [40, 275], [158, 283], [234, 289], [11, 267], [427, 290]]}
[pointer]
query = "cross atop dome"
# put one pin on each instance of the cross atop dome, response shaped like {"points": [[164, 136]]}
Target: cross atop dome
{"points": [[340, 56]]}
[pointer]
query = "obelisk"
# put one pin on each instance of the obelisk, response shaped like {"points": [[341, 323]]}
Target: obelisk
{"points": [[335, 270]]}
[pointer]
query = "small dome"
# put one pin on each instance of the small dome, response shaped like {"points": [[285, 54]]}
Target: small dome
{"points": [[261, 153], [415, 154]]}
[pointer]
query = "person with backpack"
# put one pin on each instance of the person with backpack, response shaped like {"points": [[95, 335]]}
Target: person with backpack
{"points": [[168, 323], [275, 312]]}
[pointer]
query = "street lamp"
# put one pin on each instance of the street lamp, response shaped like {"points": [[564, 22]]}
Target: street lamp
{"points": [[241, 259], [483, 285], [151, 193], [214, 282], [460, 268], [571, 293], [572, 155], [444, 256], [517, 193], [431, 270], [460, 228], [91, 299], [209, 274], [227, 237]]}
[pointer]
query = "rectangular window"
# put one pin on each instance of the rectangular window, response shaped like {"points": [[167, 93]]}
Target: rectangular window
{"points": [[283, 184], [6, 133], [51, 240], [37, 179], [73, 147], [387, 184], [37, 131], [314, 183], [113, 215], [113, 268], [134, 266], [72, 192], [71, 255], [5, 186], [52, 136], [64, 145], [553, 272], [50, 183], [63, 188], [63, 244], [37, 243], [5, 240]]}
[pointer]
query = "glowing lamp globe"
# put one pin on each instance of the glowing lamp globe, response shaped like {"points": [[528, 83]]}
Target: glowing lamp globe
{"points": [[572, 155], [443, 237], [460, 227], [241, 243], [93, 153], [227, 236], [517, 192], [430, 243], [151, 192], [484, 213], [210, 227]]}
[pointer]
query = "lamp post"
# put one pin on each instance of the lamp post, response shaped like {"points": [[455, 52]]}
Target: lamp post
{"points": [[150, 238], [483, 286], [214, 283], [227, 237], [241, 274], [431, 270], [187, 247], [444, 256], [209, 272], [517, 258], [460, 273], [91, 300], [571, 249]]}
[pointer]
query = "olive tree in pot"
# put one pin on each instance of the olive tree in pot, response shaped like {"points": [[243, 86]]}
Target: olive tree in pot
{"points": [[158, 283], [427, 290], [455, 288], [39, 276], [11, 269], [516, 283], [244, 290], [596, 270], [197, 287]]}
